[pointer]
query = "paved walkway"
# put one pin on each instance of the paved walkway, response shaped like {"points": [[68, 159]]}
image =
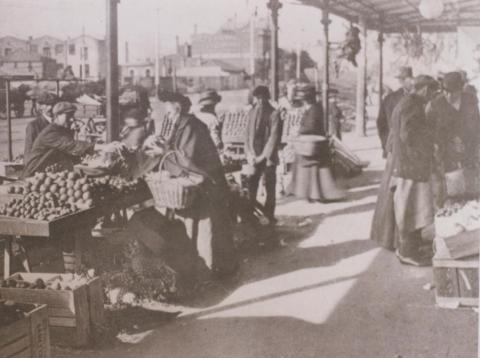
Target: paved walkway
{"points": [[328, 293]]}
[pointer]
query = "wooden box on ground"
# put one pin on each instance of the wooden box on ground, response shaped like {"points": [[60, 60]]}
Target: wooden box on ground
{"points": [[28, 337], [72, 315], [456, 282]]}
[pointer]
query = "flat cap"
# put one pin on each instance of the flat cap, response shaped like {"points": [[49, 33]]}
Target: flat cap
{"points": [[168, 96], [63, 107], [425, 80], [210, 96], [261, 91]]}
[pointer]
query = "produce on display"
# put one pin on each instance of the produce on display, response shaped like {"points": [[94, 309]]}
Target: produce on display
{"points": [[47, 196], [457, 217], [65, 282], [11, 311]]}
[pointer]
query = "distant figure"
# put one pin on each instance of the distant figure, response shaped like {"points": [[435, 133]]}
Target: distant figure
{"points": [[208, 101], [335, 116], [262, 141], [467, 87], [134, 132]]}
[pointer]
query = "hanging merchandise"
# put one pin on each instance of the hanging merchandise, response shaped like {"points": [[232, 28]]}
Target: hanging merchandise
{"points": [[351, 46], [431, 9]]}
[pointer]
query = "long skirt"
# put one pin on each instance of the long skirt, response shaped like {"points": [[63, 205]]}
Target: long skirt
{"points": [[384, 231], [209, 226], [314, 181]]}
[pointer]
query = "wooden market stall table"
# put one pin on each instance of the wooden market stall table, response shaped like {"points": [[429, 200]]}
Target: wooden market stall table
{"points": [[77, 226]]}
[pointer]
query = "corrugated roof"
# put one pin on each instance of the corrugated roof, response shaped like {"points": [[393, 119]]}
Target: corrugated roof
{"points": [[401, 15]]}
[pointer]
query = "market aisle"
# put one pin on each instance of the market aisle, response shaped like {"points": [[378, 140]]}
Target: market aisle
{"points": [[329, 293]]}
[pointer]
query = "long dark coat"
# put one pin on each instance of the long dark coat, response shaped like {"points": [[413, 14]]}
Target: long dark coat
{"points": [[413, 140], [32, 131], [384, 119], [208, 222], [55, 145]]}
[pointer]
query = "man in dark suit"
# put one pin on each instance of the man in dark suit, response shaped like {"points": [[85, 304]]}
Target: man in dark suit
{"points": [[45, 101], [384, 124], [263, 135]]}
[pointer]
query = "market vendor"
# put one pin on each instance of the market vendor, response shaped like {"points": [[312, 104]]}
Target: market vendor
{"points": [[262, 141], [45, 102], [207, 222], [413, 148], [56, 144]]}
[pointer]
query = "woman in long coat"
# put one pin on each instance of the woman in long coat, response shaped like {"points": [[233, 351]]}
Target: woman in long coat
{"points": [[312, 176], [207, 222]]}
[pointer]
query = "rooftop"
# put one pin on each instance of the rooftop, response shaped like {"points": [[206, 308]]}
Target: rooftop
{"points": [[24, 56]]}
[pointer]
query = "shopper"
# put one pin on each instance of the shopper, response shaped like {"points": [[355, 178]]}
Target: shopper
{"points": [[262, 141], [208, 223], [312, 177], [413, 148], [134, 132]]}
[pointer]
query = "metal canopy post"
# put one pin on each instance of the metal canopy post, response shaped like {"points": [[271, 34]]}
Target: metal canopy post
{"points": [[326, 64], [274, 6], [381, 40], [360, 123], [112, 70], [9, 119]]}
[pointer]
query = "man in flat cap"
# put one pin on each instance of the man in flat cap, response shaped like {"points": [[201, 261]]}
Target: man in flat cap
{"points": [[45, 102], [262, 140], [413, 149], [56, 144], [383, 230]]}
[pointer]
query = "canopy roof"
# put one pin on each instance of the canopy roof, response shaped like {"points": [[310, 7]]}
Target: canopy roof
{"points": [[400, 15]]}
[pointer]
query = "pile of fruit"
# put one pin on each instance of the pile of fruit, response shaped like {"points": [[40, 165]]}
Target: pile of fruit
{"points": [[456, 217], [66, 282], [107, 186], [11, 311]]}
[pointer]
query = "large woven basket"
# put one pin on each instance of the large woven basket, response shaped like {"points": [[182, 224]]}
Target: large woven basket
{"points": [[310, 145], [173, 193]]}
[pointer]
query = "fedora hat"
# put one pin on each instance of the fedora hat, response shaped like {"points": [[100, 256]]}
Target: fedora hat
{"points": [[210, 96]]}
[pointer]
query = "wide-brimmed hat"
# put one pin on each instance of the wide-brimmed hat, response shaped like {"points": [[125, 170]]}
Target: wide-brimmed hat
{"points": [[45, 97], [167, 96], [453, 82], [63, 107], [425, 80], [404, 72], [261, 91], [210, 96]]}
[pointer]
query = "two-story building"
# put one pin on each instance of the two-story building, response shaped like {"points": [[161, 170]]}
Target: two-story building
{"points": [[25, 63], [10, 44]]}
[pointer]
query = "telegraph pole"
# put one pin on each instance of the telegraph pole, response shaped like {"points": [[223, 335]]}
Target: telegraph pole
{"points": [[112, 82], [274, 6], [157, 54]]}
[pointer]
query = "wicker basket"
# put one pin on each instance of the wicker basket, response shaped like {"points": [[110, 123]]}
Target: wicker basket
{"points": [[173, 193], [310, 145]]}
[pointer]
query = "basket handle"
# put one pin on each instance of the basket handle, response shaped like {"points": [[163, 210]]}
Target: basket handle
{"points": [[162, 162]]}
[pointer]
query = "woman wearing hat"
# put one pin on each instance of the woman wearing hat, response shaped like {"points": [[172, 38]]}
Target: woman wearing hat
{"points": [[207, 222], [207, 103], [312, 176]]}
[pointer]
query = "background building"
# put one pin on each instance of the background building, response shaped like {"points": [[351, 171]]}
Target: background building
{"points": [[24, 63]]}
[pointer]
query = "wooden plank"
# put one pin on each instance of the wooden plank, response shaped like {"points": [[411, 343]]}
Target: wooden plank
{"points": [[471, 263], [19, 345], [82, 315], [7, 253], [60, 312], [52, 298], [446, 282], [13, 332], [462, 245], [40, 334], [95, 302], [62, 321]]}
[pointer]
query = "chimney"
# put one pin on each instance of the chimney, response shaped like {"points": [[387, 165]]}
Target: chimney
{"points": [[127, 54], [195, 29], [29, 43], [177, 42]]}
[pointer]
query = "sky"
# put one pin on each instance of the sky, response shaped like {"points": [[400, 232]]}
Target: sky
{"points": [[138, 19]]}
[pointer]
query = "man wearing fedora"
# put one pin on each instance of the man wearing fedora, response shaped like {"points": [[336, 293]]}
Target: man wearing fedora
{"points": [[207, 102], [262, 140]]}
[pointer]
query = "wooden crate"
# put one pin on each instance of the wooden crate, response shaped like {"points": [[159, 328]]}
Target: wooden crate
{"points": [[72, 315], [456, 282], [28, 337]]}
